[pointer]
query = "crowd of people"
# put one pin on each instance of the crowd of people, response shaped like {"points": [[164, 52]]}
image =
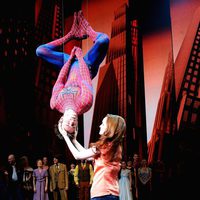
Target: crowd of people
{"points": [[54, 181], [45, 180]]}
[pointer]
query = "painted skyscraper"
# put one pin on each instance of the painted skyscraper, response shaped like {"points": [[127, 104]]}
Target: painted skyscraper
{"points": [[187, 82], [161, 143], [175, 137], [120, 88], [187, 78]]}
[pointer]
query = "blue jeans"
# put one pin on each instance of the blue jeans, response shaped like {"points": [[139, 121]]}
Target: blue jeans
{"points": [[106, 197]]}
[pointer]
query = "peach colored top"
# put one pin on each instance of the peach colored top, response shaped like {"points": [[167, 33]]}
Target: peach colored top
{"points": [[105, 180]]}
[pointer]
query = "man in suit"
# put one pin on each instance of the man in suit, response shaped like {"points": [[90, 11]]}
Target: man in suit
{"points": [[14, 179], [58, 179]]}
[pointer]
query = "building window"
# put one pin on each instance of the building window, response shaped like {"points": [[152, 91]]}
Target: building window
{"points": [[196, 104], [194, 52], [188, 102], [194, 79], [195, 46], [186, 85], [194, 118], [190, 70], [188, 77], [195, 72], [192, 87], [185, 115]]}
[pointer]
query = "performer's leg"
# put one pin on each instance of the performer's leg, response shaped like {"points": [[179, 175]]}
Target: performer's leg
{"points": [[97, 53], [49, 51], [54, 57], [63, 194], [55, 195], [74, 33]]}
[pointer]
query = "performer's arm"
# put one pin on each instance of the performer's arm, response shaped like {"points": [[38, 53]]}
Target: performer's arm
{"points": [[46, 183], [86, 99], [34, 184], [60, 82], [84, 71]]}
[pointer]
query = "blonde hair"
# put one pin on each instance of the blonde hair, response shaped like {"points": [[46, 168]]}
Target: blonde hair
{"points": [[114, 134]]}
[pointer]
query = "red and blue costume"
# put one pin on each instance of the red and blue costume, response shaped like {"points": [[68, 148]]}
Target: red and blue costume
{"points": [[73, 88]]}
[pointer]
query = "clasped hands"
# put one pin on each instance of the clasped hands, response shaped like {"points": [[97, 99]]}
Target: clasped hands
{"points": [[76, 51]]}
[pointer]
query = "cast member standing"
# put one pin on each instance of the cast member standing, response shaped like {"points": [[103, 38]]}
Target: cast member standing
{"points": [[40, 182], [58, 179]]}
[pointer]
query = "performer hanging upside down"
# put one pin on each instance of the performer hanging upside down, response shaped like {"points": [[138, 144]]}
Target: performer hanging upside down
{"points": [[72, 93]]}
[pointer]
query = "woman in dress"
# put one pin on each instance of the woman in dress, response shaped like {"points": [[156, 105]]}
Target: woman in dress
{"points": [[40, 182], [27, 183], [125, 183], [144, 180]]}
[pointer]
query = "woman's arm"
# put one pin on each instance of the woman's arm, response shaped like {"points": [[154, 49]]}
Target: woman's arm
{"points": [[34, 185], [78, 155], [78, 145], [46, 184], [130, 179], [81, 148]]}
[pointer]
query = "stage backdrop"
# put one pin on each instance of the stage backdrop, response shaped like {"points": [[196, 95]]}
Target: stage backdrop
{"points": [[165, 24]]}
